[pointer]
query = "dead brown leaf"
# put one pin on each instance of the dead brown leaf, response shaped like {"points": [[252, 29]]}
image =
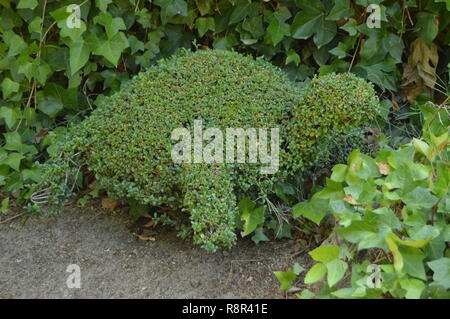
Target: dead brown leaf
{"points": [[144, 237], [383, 168], [40, 135], [419, 73], [349, 199], [149, 224], [109, 203]]}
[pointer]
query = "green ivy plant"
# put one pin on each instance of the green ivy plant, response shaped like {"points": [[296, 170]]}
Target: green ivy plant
{"points": [[391, 211]]}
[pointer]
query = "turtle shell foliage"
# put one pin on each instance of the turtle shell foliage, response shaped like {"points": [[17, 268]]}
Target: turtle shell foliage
{"points": [[127, 140]]}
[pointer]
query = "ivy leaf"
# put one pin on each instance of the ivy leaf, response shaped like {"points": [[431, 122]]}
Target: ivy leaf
{"points": [[340, 50], [335, 271], [135, 44], [420, 198], [259, 236], [350, 27], [314, 210], [441, 269], [27, 4], [306, 24], [393, 44], [428, 26], [285, 278], [102, 4], [252, 219], [341, 10], [79, 51], [41, 71], [32, 174], [54, 98], [315, 274], [204, 6], [413, 287], [112, 48], [339, 172], [14, 160], [369, 232], [13, 141], [254, 26], [277, 31], [292, 56], [170, 8], [297, 268], [240, 12], [325, 254], [413, 262], [112, 25], [15, 43], [205, 24], [9, 115], [9, 87]]}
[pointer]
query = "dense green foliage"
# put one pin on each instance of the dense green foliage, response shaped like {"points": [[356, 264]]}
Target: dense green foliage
{"points": [[329, 104], [51, 74], [391, 209], [127, 142]]}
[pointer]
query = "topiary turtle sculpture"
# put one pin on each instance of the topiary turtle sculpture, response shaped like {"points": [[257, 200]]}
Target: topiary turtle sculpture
{"points": [[128, 141]]}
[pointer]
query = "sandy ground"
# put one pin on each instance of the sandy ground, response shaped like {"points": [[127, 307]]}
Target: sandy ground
{"points": [[115, 263]]}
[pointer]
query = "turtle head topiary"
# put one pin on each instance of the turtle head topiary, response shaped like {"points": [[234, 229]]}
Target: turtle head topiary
{"points": [[330, 105]]}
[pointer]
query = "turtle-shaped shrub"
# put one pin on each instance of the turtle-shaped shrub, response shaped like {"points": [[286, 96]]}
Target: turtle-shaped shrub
{"points": [[128, 141]]}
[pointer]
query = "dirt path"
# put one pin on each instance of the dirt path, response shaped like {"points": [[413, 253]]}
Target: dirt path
{"points": [[35, 253]]}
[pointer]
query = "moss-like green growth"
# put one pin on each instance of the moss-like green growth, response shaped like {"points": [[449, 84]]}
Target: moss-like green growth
{"points": [[329, 105], [127, 142]]}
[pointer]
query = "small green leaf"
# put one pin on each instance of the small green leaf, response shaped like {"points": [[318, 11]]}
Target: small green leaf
{"points": [[205, 24], [10, 116], [428, 26], [298, 269], [14, 160], [5, 205], [292, 56], [420, 198], [112, 48], [335, 271], [315, 274], [285, 278], [314, 210], [9, 87], [441, 269], [79, 52], [112, 25], [259, 236], [102, 4], [277, 31], [27, 4], [325, 254], [252, 219], [413, 287], [339, 172], [240, 12]]}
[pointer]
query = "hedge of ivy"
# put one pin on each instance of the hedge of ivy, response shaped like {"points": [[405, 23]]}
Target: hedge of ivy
{"points": [[51, 74]]}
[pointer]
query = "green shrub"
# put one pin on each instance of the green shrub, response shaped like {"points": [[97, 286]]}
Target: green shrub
{"points": [[127, 142]]}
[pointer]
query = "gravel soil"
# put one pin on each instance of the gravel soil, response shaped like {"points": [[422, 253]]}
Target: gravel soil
{"points": [[116, 263]]}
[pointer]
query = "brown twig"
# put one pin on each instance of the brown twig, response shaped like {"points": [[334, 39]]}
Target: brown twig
{"points": [[11, 218]]}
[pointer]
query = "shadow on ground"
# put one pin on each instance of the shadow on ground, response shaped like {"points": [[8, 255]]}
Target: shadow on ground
{"points": [[35, 253]]}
